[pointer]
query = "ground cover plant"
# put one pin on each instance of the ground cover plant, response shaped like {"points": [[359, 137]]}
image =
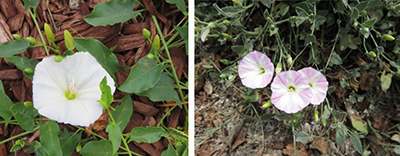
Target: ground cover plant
{"points": [[76, 80], [249, 52]]}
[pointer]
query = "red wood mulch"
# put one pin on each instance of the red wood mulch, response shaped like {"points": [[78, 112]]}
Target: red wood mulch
{"points": [[131, 47]]}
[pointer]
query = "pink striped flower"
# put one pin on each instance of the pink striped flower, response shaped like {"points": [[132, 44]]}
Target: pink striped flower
{"points": [[317, 82], [290, 91], [255, 70]]}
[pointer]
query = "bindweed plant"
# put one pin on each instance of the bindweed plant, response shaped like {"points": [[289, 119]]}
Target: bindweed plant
{"points": [[77, 85], [304, 45]]}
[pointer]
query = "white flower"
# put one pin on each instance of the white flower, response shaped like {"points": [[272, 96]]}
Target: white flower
{"points": [[317, 82], [290, 91], [255, 70], [68, 91]]}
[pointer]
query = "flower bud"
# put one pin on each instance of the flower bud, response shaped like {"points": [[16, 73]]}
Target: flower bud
{"points": [[372, 54], [223, 76], [28, 70], [156, 43], [227, 36], [365, 29], [363, 12], [69, 41], [28, 104], [17, 36], [387, 37], [267, 104], [316, 116], [224, 61], [226, 22], [58, 58], [211, 25], [30, 39], [355, 24], [289, 59], [49, 33], [231, 77], [278, 68], [78, 147], [150, 56], [272, 26], [146, 33]]}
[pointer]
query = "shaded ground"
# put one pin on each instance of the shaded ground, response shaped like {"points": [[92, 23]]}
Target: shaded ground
{"points": [[131, 47], [226, 124]]}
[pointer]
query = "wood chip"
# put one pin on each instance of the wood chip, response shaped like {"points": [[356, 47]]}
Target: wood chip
{"points": [[144, 109], [10, 74], [135, 28], [5, 33], [150, 7], [16, 22], [7, 8], [173, 118]]}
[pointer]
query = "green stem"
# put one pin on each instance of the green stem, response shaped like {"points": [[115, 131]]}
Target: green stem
{"points": [[126, 145], [169, 56], [166, 114], [294, 139], [38, 29], [18, 135]]}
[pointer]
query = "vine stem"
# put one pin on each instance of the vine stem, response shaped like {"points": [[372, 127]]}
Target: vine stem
{"points": [[294, 139], [169, 57], [18, 135], [38, 29]]}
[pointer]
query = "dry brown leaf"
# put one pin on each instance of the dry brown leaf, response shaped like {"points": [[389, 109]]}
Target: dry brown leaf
{"points": [[300, 150], [320, 144]]}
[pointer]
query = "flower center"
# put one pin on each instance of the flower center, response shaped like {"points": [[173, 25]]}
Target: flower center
{"points": [[71, 93], [292, 89], [310, 85], [262, 70]]}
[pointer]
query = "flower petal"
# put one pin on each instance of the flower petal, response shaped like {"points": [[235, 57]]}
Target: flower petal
{"points": [[318, 82], [255, 70], [287, 99]]}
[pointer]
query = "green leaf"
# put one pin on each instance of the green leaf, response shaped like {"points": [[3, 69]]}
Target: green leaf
{"points": [[178, 135], [25, 116], [359, 124], [49, 138], [386, 80], [5, 105], [301, 136], [143, 76], [11, 48], [369, 23], [123, 112], [109, 13], [183, 31], [355, 140], [106, 96], [102, 54], [24, 64], [335, 59], [163, 91], [30, 3], [114, 135], [180, 4], [147, 135], [170, 151], [96, 148], [68, 141]]}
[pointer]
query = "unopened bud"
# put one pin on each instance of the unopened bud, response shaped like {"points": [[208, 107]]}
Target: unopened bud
{"points": [[226, 22], [17, 36], [267, 104], [372, 54], [211, 25], [150, 56], [156, 43], [146, 33], [227, 36], [49, 33], [58, 58], [69, 41], [30, 39], [224, 61], [28, 70], [289, 59], [278, 68], [28, 104], [387, 37]]}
